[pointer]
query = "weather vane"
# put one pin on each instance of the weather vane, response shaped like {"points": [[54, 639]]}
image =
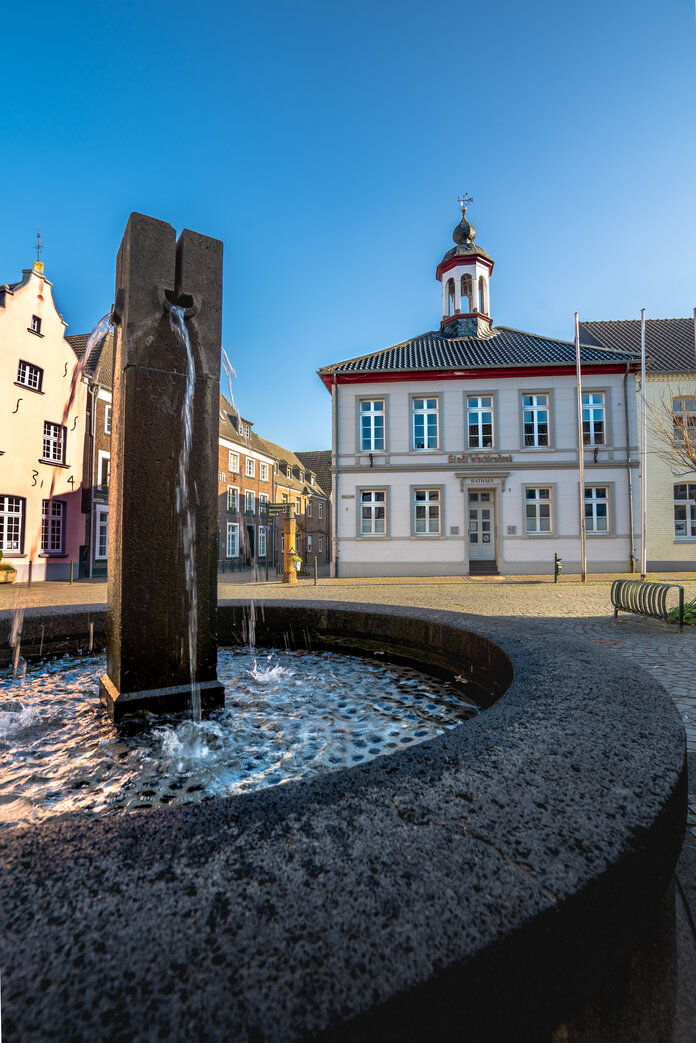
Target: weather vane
{"points": [[464, 202], [39, 244]]}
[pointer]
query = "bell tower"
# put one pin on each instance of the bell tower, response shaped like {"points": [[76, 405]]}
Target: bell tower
{"points": [[464, 273]]}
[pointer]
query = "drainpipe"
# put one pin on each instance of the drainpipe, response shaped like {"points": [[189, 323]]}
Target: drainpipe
{"points": [[628, 470], [334, 421]]}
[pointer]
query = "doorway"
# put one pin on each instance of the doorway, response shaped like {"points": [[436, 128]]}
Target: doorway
{"points": [[481, 517], [250, 547]]}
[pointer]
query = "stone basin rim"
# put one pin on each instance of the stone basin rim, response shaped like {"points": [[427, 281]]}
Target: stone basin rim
{"points": [[394, 845]]}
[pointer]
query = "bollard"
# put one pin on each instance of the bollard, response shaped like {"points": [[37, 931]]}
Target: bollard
{"points": [[315, 570], [557, 567], [72, 565], [266, 570], [29, 575]]}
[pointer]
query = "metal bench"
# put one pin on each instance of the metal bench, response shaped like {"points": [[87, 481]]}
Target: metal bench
{"points": [[645, 599]]}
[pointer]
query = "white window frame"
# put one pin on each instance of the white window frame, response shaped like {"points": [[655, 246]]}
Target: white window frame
{"points": [[29, 375], [309, 508], [320, 511], [12, 512], [429, 503], [309, 543], [101, 528], [233, 498], [684, 408], [54, 440], [54, 515], [107, 418], [594, 406], [688, 504], [35, 324], [263, 472], [103, 457], [370, 412], [232, 544], [262, 542], [321, 544], [594, 502], [249, 501], [368, 522], [263, 503], [476, 411], [534, 405], [233, 462], [538, 502], [250, 469], [298, 506], [423, 414]]}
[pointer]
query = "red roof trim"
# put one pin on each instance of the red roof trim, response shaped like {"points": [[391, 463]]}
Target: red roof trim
{"points": [[453, 262], [399, 376]]}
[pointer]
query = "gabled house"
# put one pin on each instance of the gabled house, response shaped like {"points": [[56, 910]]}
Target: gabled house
{"points": [[42, 428], [296, 483], [456, 452]]}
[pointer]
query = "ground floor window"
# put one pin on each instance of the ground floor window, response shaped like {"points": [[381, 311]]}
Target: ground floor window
{"points": [[537, 511], [53, 526], [262, 541], [232, 540], [101, 549], [685, 510], [373, 512], [426, 512], [596, 508], [12, 524]]}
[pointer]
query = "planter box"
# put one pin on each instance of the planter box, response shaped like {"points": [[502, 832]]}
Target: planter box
{"points": [[8, 575]]}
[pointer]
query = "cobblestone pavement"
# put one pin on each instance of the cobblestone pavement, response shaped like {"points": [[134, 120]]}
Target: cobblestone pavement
{"points": [[579, 608]]}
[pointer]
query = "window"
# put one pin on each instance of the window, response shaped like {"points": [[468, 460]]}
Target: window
{"points": [[282, 544], [596, 508], [372, 425], [535, 418], [249, 502], [321, 544], [101, 549], [232, 498], [310, 479], [53, 442], [107, 419], [298, 506], [483, 295], [233, 463], [35, 324], [263, 501], [250, 467], [30, 376], [593, 418], [309, 508], [309, 544], [467, 292], [263, 472], [684, 511], [53, 526], [684, 413], [450, 296], [262, 542], [320, 510], [479, 410], [373, 516], [103, 470], [232, 540], [426, 512], [247, 431], [284, 498], [425, 423], [537, 511], [11, 524]]}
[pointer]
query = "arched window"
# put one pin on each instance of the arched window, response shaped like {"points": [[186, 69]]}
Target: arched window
{"points": [[483, 297], [467, 293], [450, 296]]}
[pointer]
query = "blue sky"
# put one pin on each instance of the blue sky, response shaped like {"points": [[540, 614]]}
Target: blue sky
{"points": [[326, 145]]}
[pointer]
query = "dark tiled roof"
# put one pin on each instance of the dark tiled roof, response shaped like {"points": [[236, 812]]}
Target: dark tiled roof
{"points": [[500, 348], [320, 463], [289, 481], [227, 428], [99, 366], [669, 343]]}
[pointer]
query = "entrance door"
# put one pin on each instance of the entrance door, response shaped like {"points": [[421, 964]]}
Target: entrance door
{"points": [[481, 509], [250, 548]]}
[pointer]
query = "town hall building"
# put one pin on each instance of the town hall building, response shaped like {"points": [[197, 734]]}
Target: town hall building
{"points": [[456, 452]]}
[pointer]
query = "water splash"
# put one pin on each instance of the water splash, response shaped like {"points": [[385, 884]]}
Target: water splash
{"points": [[96, 336], [231, 375], [19, 666], [183, 506]]}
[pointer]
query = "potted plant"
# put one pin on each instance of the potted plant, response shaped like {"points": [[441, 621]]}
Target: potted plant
{"points": [[8, 574]]}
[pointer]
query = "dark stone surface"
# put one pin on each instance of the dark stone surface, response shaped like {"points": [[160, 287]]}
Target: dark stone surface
{"points": [[147, 643], [495, 883]]}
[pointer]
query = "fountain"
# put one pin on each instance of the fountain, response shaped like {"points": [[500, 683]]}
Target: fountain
{"points": [[162, 585]]}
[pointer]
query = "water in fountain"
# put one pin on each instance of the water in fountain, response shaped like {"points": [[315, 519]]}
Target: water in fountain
{"points": [[288, 716], [183, 506], [98, 333]]}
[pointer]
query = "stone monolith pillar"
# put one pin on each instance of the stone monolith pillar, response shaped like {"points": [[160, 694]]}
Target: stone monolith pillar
{"points": [[150, 602]]}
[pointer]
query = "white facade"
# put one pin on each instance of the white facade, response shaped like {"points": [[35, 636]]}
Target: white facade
{"points": [[508, 503]]}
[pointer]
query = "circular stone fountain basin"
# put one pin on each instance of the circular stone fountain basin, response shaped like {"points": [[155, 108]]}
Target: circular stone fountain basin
{"points": [[506, 880]]}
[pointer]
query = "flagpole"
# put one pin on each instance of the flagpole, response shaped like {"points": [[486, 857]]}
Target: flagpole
{"points": [[643, 456], [581, 456]]}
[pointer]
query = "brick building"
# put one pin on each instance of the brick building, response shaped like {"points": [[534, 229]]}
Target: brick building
{"points": [[296, 483]]}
